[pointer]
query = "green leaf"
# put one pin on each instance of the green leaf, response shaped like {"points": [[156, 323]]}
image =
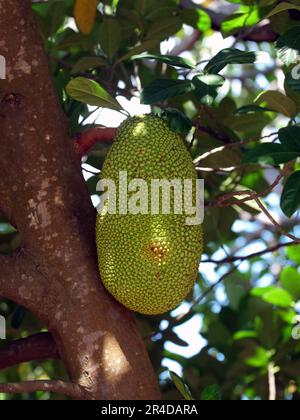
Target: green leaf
{"points": [[244, 334], [161, 89], [207, 86], [290, 280], [260, 358], [293, 79], [171, 60], [281, 8], [177, 121], [110, 37], [181, 386], [290, 198], [250, 109], [278, 102], [269, 153], [290, 138], [260, 291], [288, 46], [145, 46], [211, 393], [196, 18], [229, 56], [164, 28], [293, 253], [244, 17], [87, 63], [278, 297], [91, 93]]}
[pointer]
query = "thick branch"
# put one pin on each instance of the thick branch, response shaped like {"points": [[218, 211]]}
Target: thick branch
{"points": [[36, 347], [16, 275], [59, 387]]}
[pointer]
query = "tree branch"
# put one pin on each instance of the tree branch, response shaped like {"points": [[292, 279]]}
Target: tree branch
{"points": [[235, 258], [16, 274], [69, 389], [36, 347], [84, 142]]}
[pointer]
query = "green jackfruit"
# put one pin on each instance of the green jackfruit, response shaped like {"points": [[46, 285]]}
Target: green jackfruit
{"points": [[148, 262]]}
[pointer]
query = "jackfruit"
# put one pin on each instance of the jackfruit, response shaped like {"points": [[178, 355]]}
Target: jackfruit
{"points": [[148, 262]]}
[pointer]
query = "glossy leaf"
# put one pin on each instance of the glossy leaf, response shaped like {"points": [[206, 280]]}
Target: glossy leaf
{"points": [[207, 86], [290, 198], [288, 46], [229, 56], [171, 60], [196, 18], [91, 93], [269, 153], [161, 89]]}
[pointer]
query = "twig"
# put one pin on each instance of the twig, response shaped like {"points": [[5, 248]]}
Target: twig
{"points": [[235, 258], [196, 302], [272, 382], [69, 389]]}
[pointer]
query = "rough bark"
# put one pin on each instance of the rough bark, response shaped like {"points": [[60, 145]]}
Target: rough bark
{"points": [[44, 194]]}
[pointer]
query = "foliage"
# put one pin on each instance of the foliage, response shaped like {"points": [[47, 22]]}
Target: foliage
{"points": [[242, 129]]}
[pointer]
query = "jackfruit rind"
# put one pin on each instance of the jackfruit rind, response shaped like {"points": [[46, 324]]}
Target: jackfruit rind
{"points": [[149, 263]]}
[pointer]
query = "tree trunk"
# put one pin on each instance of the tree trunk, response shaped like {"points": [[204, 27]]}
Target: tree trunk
{"points": [[43, 194]]}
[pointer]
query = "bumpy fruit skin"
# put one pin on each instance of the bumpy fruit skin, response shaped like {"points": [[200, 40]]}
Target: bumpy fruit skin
{"points": [[149, 263]]}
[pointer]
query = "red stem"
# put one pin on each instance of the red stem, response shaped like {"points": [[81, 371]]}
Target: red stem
{"points": [[86, 140]]}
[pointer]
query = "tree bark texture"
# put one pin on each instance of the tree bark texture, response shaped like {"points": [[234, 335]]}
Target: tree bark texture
{"points": [[43, 193]]}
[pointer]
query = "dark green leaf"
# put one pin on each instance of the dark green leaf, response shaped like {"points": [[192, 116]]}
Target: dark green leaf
{"points": [[145, 46], [161, 89], [207, 87], [211, 393], [269, 153], [288, 46], [87, 63], [229, 56], [249, 109], [164, 28], [293, 79], [290, 138], [178, 121], [171, 60], [110, 37], [196, 18], [290, 198]]}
